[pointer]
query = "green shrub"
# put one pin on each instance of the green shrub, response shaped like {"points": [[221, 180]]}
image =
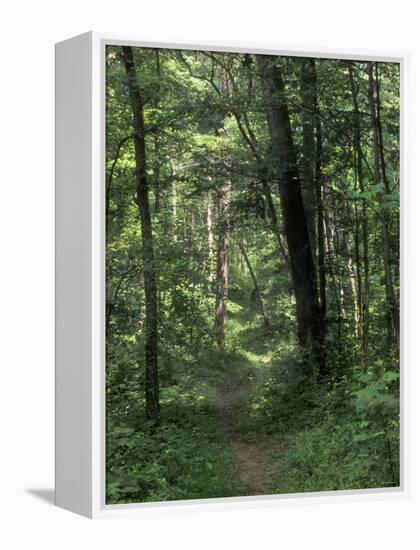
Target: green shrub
{"points": [[347, 443]]}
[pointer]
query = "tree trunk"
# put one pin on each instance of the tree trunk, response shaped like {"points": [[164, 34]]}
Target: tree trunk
{"points": [[313, 188], [330, 257], [358, 264], [285, 165], [347, 253], [173, 204], [149, 274], [222, 276], [319, 185], [209, 221], [309, 191], [365, 229], [392, 309], [156, 141], [173, 199], [255, 282]]}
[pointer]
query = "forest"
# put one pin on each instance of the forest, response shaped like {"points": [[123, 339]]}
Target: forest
{"points": [[252, 274]]}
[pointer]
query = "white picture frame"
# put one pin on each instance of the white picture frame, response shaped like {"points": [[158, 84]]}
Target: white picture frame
{"points": [[80, 277]]}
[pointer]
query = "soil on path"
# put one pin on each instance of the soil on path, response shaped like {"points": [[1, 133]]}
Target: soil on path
{"points": [[252, 457]]}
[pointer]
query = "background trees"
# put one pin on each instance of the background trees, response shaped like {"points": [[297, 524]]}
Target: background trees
{"points": [[252, 273]]}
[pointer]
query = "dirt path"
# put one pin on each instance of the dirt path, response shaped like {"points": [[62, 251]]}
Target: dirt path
{"points": [[252, 467], [252, 461]]}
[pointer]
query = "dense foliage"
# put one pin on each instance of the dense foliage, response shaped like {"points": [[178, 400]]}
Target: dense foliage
{"points": [[252, 274]]}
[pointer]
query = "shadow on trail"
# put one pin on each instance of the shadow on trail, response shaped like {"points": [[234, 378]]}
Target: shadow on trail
{"points": [[252, 463], [237, 406]]}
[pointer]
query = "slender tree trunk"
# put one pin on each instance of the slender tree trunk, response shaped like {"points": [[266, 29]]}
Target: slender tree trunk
{"points": [[392, 310], [156, 141], [222, 276], [287, 174], [255, 282], [173, 199], [313, 192], [173, 203], [321, 238], [365, 229], [353, 287], [330, 255], [210, 237], [350, 268], [309, 107], [392, 298], [358, 261], [379, 129], [149, 274]]}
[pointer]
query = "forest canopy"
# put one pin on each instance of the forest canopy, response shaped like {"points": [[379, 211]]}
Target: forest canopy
{"points": [[252, 274]]}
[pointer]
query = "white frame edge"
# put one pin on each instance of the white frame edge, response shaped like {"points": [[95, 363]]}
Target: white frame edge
{"points": [[73, 251], [80, 279]]}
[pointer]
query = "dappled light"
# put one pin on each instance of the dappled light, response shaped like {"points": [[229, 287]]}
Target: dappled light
{"points": [[252, 274]]}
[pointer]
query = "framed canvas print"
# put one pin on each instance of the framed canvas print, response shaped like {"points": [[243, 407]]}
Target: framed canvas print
{"points": [[228, 322]]}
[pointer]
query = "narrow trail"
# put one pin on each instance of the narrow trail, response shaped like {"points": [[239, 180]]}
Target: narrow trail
{"points": [[252, 456], [237, 401]]}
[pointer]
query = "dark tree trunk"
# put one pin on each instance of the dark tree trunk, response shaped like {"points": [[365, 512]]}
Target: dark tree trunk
{"points": [[286, 170], [222, 275], [392, 309], [312, 174], [309, 188], [149, 274], [255, 282]]}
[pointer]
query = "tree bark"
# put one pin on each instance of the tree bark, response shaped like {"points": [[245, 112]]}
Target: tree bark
{"points": [[285, 165], [365, 229], [332, 275], [209, 221], [313, 188], [149, 274], [358, 263], [173, 201], [319, 186], [156, 141], [309, 187], [222, 275], [392, 309]]}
